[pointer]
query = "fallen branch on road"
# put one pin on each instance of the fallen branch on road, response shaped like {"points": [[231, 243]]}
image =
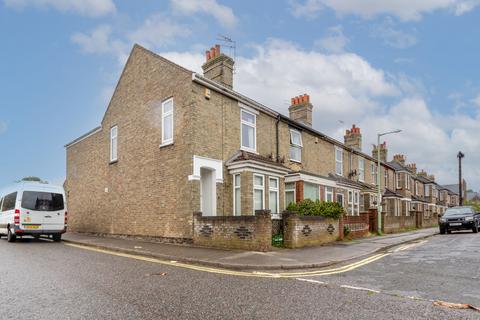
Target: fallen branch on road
{"points": [[455, 305]]}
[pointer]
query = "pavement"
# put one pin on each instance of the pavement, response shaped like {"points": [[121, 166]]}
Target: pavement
{"points": [[279, 258]]}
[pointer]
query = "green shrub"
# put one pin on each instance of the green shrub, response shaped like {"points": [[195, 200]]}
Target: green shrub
{"points": [[309, 207]]}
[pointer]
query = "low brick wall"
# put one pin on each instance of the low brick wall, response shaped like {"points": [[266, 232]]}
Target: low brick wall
{"points": [[359, 226], [234, 232], [393, 224], [302, 231], [429, 220]]}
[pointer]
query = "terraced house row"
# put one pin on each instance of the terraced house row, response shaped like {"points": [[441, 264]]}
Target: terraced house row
{"points": [[173, 142]]}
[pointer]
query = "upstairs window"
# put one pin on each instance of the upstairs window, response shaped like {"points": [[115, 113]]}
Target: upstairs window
{"points": [[114, 144], [373, 171], [361, 169], [339, 161], [399, 185], [167, 122], [248, 131], [407, 178], [295, 145]]}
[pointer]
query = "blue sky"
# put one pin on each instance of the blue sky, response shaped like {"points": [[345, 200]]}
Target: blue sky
{"points": [[380, 64]]}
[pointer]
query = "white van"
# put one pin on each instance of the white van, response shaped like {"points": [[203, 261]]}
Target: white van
{"points": [[33, 209]]}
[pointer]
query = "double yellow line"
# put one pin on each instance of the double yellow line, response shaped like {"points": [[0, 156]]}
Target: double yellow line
{"points": [[322, 272]]}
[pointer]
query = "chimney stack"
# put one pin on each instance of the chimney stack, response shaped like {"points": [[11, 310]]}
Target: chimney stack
{"points": [[412, 167], [423, 173], [218, 67], [383, 152], [301, 109], [353, 138], [400, 158]]}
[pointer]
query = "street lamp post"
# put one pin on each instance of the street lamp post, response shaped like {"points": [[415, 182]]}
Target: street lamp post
{"points": [[379, 172], [460, 156]]}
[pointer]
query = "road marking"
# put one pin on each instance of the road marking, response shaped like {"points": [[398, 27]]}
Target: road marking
{"points": [[359, 288], [257, 274], [312, 281]]}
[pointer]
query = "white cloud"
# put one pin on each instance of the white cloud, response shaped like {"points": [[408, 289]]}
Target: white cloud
{"points": [[476, 101], [157, 31], [223, 14], [404, 9], [99, 41], [393, 37], [83, 7], [335, 42]]}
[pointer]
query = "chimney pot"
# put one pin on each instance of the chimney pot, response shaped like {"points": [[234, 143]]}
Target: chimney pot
{"points": [[218, 67], [217, 50]]}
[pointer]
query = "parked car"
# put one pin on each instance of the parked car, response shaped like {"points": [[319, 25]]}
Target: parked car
{"points": [[459, 218], [33, 209]]}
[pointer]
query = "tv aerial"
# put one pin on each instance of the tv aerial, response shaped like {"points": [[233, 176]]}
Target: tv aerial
{"points": [[231, 45]]}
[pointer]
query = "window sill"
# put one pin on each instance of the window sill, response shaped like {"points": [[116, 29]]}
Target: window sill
{"points": [[113, 162], [296, 161], [248, 150], [166, 144]]}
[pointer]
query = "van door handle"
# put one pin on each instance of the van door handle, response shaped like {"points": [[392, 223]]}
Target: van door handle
{"points": [[48, 216]]}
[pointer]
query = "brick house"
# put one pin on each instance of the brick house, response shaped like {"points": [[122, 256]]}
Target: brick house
{"points": [[173, 142]]}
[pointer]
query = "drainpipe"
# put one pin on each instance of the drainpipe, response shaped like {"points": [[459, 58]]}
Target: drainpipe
{"points": [[277, 138]]}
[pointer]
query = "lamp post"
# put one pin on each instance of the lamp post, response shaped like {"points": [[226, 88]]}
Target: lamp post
{"points": [[460, 156], [379, 172]]}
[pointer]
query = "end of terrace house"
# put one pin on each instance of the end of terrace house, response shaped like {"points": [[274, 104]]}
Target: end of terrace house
{"points": [[173, 142]]}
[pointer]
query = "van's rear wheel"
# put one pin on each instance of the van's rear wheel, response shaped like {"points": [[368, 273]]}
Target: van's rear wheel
{"points": [[57, 237], [10, 236]]}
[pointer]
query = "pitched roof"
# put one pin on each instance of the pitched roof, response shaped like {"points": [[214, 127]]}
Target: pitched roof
{"points": [[348, 182], [454, 188], [399, 167], [415, 198], [391, 194], [242, 155]]}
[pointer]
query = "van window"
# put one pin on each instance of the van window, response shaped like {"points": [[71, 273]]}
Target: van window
{"points": [[42, 201], [9, 202]]}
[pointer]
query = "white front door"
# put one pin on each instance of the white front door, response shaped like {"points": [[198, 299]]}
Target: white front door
{"points": [[208, 192]]}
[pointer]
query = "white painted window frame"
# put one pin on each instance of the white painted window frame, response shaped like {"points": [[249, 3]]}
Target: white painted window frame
{"points": [[114, 142], [329, 193], [361, 169], [254, 126], [294, 194], [166, 142], [398, 180], [276, 190], [373, 168], [235, 189], [339, 161], [295, 145], [261, 188]]}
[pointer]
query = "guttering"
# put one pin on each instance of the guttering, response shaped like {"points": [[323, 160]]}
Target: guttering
{"points": [[83, 137]]}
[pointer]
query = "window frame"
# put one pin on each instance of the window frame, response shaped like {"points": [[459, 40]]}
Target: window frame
{"points": [[337, 161], [339, 194], [290, 190], [277, 191], [398, 180], [235, 189], [249, 124], [327, 193], [361, 169], [114, 142], [257, 187], [295, 145], [166, 142]]}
